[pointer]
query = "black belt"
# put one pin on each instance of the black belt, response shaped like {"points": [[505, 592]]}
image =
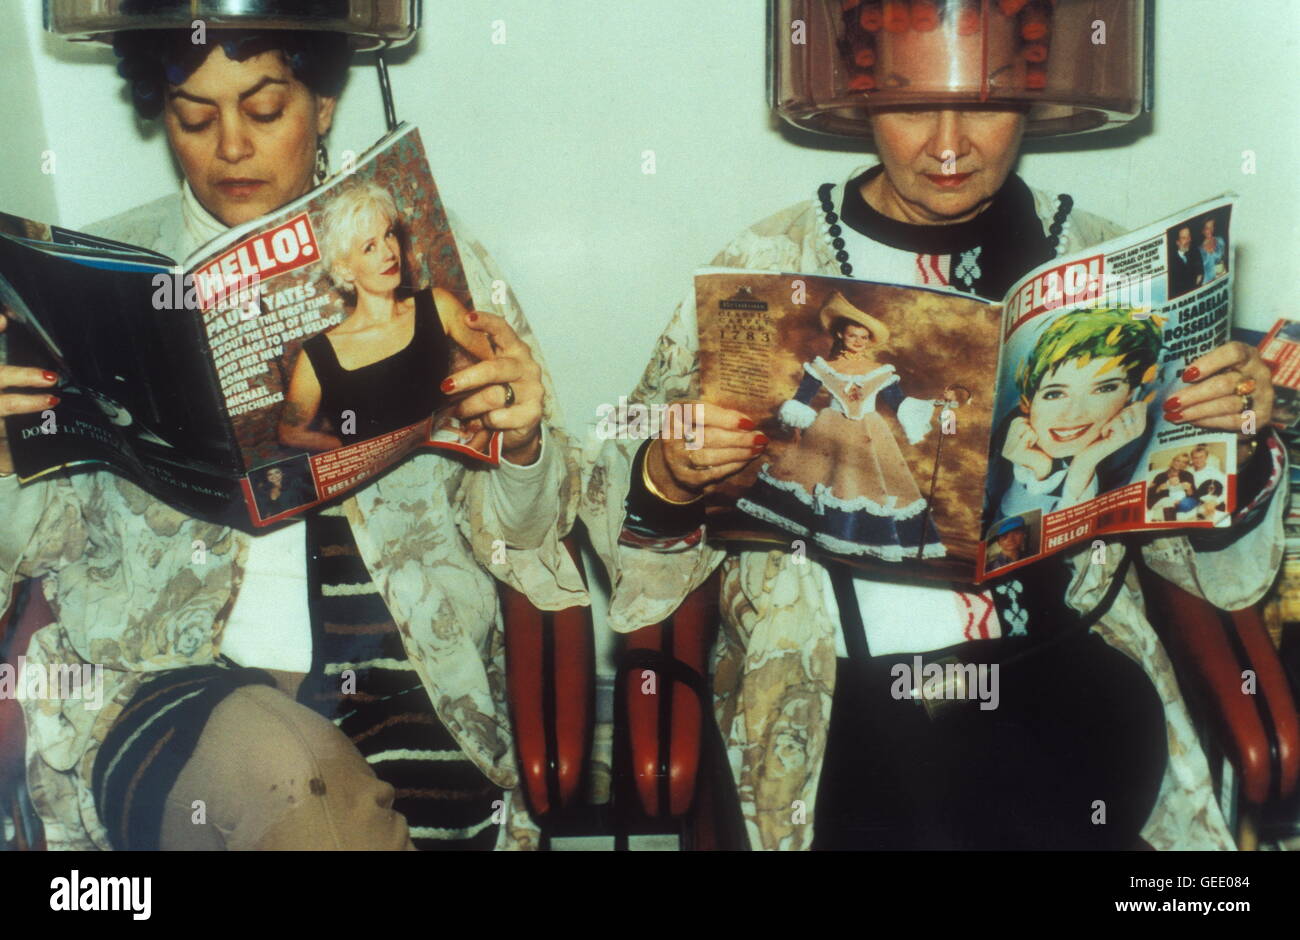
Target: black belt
{"points": [[1044, 586]]}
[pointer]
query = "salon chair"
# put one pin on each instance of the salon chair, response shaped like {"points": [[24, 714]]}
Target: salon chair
{"points": [[670, 767], [551, 688], [1239, 694]]}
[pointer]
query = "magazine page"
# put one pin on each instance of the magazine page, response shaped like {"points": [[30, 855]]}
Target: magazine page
{"points": [[1094, 345], [80, 242], [87, 313], [877, 400], [331, 325], [1280, 348]]}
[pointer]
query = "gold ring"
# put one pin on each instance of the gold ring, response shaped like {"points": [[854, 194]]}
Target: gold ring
{"points": [[510, 394], [1245, 387]]}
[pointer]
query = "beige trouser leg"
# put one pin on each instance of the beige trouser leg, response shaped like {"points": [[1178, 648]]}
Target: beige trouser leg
{"points": [[273, 774]]}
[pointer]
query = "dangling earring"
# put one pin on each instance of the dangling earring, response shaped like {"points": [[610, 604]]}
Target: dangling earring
{"points": [[322, 163]]}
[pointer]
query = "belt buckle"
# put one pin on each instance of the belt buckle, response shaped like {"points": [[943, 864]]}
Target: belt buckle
{"points": [[951, 694]]}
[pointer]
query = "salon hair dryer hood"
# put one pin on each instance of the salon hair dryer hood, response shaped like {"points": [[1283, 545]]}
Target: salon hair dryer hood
{"points": [[1072, 65], [369, 24]]}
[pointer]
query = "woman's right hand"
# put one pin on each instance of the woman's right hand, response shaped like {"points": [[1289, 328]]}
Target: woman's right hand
{"points": [[721, 442], [13, 403], [1021, 448]]}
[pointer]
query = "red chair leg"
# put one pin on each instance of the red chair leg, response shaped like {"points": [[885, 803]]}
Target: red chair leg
{"points": [[1198, 636], [550, 677], [667, 699], [1275, 693]]}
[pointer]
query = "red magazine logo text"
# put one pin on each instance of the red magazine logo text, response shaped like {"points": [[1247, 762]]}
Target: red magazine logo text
{"points": [[1065, 285], [265, 255]]}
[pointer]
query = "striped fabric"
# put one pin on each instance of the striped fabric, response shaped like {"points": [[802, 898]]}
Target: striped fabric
{"points": [[362, 681], [151, 741]]}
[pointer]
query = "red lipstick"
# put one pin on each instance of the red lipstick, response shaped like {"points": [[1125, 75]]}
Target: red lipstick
{"points": [[948, 180], [1064, 435]]}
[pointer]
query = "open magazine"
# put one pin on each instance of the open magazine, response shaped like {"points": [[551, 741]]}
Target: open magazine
{"points": [[271, 370], [963, 438]]}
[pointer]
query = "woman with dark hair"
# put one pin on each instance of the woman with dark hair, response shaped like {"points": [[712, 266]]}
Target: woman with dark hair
{"points": [[284, 113], [282, 487], [240, 670]]}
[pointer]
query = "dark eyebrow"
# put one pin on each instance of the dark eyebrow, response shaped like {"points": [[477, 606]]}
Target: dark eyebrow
{"points": [[266, 80], [1061, 386]]}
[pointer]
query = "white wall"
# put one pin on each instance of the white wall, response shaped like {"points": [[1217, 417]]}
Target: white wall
{"points": [[21, 107], [538, 143]]}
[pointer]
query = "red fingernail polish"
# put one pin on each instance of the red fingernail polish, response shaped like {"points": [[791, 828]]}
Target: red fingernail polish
{"points": [[49, 376], [448, 386], [1172, 404], [747, 425], [471, 316], [1191, 374], [53, 400], [1174, 415], [760, 440]]}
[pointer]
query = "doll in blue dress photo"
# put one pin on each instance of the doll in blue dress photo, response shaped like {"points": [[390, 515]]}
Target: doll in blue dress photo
{"points": [[846, 483], [1213, 251]]}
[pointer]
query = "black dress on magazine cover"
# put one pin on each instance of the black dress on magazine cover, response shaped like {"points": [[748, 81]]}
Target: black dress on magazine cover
{"points": [[394, 392]]}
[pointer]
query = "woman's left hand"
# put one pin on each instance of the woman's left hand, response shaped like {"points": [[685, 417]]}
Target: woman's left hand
{"points": [[1124, 428], [514, 365], [1217, 382]]}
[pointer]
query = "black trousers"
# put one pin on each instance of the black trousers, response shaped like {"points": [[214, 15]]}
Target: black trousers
{"points": [[1078, 736]]}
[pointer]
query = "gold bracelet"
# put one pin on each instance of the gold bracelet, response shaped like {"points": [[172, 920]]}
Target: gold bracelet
{"points": [[654, 490]]}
